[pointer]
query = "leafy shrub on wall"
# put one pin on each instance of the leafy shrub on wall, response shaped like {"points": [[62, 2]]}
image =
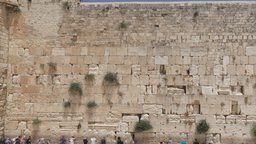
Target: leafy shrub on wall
{"points": [[202, 127], [111, 79], [75, 89], [89, 77], [142, 125], [36, 121], [91, 104], [67, 104]]}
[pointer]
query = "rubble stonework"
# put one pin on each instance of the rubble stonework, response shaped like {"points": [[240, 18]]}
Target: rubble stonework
{"points": [[176, 64]]}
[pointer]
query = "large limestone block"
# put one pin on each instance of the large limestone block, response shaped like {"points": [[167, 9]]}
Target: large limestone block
{"points": [[130, 118], [154, 109], [239, 119], [124, 69], [251, 119], [217, 100], [218, 70], [175, 69], [185, 51], [123, 127], [16, 79], [29, 108], [249, 69], [58, 51], [251, 51], [145, 117], [154, 81], [158, 122], [211, 109], [220, 119], [121, 51], [136, 69], [179, 108], [48, 107], [144, 79], [173, 118], [231, 69], [248, 109], [116, 60], [225, 60], [252, 59], [150, 99], [162, 60], [141, 51], [11, 125], [208, 90], [30, 89], [193, 70], [128, 109], [22, 125]]}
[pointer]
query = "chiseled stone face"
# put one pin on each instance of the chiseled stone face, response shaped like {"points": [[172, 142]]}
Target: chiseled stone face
{"points": [[171, 64]]}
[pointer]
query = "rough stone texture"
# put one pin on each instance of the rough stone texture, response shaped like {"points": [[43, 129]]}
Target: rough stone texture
{"points": [[174, 68], [3, 64]]}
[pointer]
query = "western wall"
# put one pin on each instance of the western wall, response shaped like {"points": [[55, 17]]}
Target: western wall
{"points": [[176, 64]]}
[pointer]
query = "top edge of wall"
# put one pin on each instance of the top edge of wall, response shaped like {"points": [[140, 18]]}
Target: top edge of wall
{"points": [[170, 3]]}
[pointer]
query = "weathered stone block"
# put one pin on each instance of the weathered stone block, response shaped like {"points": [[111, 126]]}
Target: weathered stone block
{"points": [[163, 60], [251, 51], [131, 118], [208, 90], [58, 51], [155, 109]]}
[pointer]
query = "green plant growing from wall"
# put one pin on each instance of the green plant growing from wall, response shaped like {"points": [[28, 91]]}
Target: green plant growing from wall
{"points": [[75, 89], [89, 77], [142, 125], [36, 121], [79, 126], [91, 104], [13, 9], [253, 130], [52, 67], [123, 25], [66, 5], [196, 14], [67, 104], [202, 127], [111, 78], [16, 10]]}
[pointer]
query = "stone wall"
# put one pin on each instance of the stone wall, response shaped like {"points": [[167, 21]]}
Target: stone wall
{"points": [[176, 65], [3, 65]]}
